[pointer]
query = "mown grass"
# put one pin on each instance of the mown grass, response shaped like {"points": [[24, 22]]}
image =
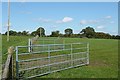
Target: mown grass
{"points": [[103, 58]]}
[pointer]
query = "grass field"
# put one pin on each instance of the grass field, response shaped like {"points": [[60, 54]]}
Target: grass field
{"points": [[103, 58]]}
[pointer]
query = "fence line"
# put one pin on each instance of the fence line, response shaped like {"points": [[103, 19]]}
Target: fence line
{"points": [[8, 69], [36, 39], [31, 42]]}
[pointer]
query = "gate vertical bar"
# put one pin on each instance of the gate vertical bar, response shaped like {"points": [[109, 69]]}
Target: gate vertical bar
{"points": [[87, 53], [29, 45], [63, 44], [54, 44], [17, 65], [71, 56], [49, 57], [43, 44]]}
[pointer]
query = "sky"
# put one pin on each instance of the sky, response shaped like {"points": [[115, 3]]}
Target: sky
{"points": [[52, 16]]}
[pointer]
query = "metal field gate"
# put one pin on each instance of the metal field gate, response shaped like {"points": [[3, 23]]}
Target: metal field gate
{"points": [[49, 58]]}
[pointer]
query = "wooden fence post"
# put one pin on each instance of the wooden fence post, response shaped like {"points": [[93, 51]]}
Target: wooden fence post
{"points": [[8, 69]]}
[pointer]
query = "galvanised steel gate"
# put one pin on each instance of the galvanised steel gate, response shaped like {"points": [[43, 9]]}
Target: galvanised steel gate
{"points": [[49, 58]]}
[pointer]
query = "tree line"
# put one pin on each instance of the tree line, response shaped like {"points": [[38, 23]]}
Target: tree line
{"points": [[88, 32]]}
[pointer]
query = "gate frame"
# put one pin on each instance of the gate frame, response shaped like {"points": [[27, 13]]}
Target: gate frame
{"points": [[87, 52]]}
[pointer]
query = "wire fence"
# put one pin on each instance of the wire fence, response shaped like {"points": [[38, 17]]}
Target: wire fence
{"points": [[49, 58]]}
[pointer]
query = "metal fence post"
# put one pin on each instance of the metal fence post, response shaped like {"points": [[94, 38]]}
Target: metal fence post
{"points": [[63, 44], [87, 53], [54, 44], [17, 66], [49, 57], [29, 45], [71, 56], [43, 44]]}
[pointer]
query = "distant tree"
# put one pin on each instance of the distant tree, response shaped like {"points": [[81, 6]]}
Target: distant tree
{"points": [[88, 32], [117, 37], [102, 35], [75, 35], [68, 32], [61, 35], [33, 33], [19, 33], [25, 33], [11, 32], [40, 31], [55, 34], [113, 37]]}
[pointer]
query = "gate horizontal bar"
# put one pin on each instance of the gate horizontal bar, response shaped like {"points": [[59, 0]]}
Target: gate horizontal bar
{"points": [[50, 57], [52, 64], [55, 71], [50, 51]]}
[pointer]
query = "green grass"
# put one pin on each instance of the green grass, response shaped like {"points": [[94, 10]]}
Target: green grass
{"points": [[103, 58]]}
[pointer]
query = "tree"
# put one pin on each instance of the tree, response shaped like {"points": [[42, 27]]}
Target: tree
{"points": [[11, 32], [88, 32], [25, 33], [40, 31], [55, 33], [68, 32], [117, 37], [19, 33], [33, 33], [102, 35]]}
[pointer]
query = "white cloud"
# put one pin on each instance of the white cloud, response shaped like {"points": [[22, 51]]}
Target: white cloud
{"points": [[67, 19], [83, 22], [100, 27], [89, 21], [59, 21], [108, 17], [93, 21], [101, 21], [64, 20], [43, 20], [54, 26]]}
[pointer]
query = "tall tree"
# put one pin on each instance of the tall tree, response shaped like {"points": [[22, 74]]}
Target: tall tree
{"points": [[88, 32], [40, 31], [25, 33], [55, 33], [68, 32], [33, 33]]}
